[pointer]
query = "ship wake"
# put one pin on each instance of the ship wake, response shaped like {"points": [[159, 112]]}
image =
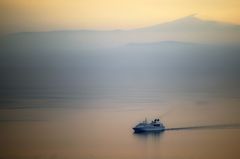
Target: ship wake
{"points": [[216, 126]]}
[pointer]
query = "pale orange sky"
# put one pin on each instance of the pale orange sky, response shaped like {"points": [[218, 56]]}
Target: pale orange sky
{"points": [[43, 15]]}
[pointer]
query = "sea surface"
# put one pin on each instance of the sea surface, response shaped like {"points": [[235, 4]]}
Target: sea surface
{"points": [[67, 128]]}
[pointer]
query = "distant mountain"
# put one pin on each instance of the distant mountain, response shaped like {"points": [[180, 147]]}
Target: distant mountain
{"points": [[162, 43], [187, 29], [192, 23]]}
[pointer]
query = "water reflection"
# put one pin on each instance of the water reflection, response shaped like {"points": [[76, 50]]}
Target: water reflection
{"points": [[149, 136]]}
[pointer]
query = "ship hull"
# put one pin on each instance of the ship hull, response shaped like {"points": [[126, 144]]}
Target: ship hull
{"points": [[140, 130]]}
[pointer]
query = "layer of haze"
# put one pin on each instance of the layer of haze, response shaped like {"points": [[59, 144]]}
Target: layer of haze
{"points": [[33, 15]]}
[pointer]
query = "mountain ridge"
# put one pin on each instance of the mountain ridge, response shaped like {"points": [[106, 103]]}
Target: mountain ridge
{"points": [[190, 23], [187, 19], [190, 29]]}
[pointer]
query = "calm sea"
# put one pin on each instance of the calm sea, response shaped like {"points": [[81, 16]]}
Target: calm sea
{"points": [[67, 128]]}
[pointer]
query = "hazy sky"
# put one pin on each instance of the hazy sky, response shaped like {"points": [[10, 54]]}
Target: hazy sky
{"points": [[41, 15]]}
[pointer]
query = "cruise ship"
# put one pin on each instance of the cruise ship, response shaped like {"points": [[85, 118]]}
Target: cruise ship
{"points": [[153, 126]]}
